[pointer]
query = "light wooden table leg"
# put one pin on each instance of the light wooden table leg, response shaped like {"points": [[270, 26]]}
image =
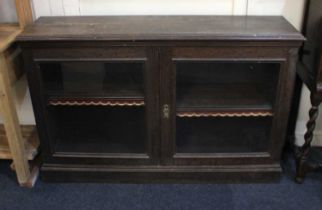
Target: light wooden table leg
{"points": [[11, 124]]}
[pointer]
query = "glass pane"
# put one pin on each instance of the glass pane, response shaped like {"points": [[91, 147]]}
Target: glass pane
{"points": [[222, 135], [96, 107], [224, 107], [226, 84], [99, 129], [115, 79]]}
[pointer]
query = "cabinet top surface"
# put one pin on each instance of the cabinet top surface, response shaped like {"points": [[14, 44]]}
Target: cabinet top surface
{"points": [[159, 28]]}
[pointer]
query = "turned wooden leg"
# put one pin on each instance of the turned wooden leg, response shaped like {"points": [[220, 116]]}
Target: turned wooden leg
{"points": [[302, 165]]}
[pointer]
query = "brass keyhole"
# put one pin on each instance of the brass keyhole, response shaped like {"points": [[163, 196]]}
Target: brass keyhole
{"points": [[166, 111]]}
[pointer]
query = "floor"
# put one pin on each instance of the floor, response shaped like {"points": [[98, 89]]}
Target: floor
{"points": [[284, 194]]}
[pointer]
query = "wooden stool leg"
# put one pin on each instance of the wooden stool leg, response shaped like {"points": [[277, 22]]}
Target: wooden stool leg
{"points": [[11, 124], [302, 165]]}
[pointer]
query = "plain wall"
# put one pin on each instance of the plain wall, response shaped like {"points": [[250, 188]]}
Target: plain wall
{"points": [[158, 7], [7, 11]]}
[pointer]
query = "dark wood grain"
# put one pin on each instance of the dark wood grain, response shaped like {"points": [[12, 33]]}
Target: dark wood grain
{"points": [[186, 63], [134, 28], [162, 174]]}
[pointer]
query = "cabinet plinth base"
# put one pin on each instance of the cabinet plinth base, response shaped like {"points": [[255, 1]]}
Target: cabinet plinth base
{"points": [[162, 174]]}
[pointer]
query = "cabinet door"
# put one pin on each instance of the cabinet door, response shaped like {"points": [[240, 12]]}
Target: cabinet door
{"points": [[97, 105], [222, 105]]}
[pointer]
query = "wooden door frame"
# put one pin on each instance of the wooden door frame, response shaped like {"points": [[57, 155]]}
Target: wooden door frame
{"points": [[285, 56]]}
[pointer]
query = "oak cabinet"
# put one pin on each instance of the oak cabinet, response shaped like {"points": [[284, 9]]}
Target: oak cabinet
{"points": [[150, 98]]}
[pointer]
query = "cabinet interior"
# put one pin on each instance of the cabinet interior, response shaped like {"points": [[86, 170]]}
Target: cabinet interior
{"points": [[114, 79], [96, 107], [97, 129], [203, 86], [222, 134], [224, 107]]}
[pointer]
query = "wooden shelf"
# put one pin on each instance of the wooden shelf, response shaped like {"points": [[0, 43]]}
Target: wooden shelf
{"points": [[8, 33], [223, 100], [227, 113], [96, 102], [23, 142], [30, 136]]}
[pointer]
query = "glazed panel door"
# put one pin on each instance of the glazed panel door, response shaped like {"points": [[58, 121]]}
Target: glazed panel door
{"points": [[100, 104], [220, 105]]}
